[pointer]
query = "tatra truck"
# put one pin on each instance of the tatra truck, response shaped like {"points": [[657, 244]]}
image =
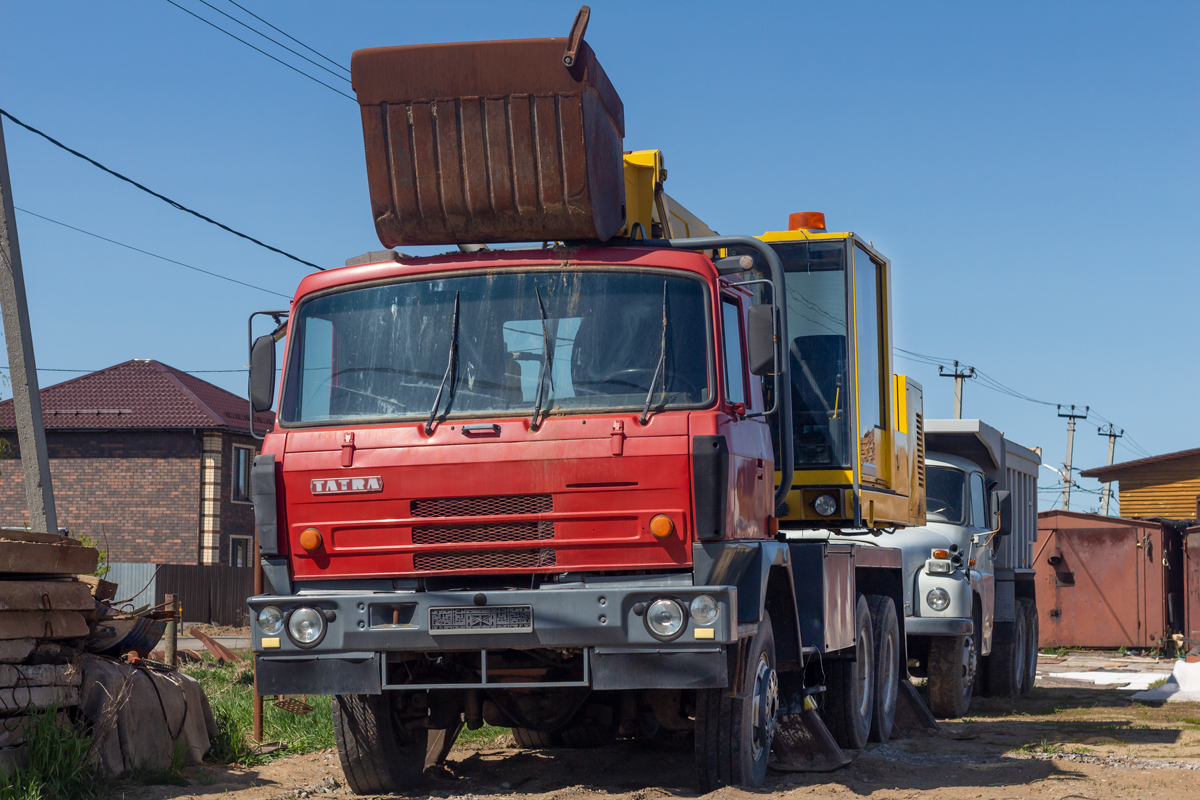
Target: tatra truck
{"points": [[553, 486]]}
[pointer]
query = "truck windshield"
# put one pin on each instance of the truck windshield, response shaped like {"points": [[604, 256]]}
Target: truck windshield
{"points": [[945, 494], [381, 352]]}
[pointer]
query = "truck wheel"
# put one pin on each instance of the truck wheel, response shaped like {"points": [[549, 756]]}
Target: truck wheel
{"points": [[589, 735], [886, 650], [1031, 648], [734, 735], [1007, 663], [952, 663], [378, 756], [850, 686], [529, 739]]}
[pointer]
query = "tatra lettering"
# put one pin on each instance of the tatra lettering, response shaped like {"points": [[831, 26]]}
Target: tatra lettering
{"points": [[358, 485], [373, 483]]}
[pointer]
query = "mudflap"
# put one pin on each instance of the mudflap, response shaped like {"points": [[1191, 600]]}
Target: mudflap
{"points": [[912, 715], [802, 743]]}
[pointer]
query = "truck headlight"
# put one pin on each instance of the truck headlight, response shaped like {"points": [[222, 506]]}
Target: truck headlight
{"points": [[938, 599], [825, 505], [936, 567], [270, 621], [306, 626], [665, 619], [705, 610]]}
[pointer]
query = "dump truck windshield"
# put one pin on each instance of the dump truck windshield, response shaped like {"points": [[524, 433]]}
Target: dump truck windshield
{"points": [[945, 493], [382, 352]]}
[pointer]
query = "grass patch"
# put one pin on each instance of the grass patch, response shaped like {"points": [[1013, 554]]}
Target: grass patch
{"points": [[230, 691], [57, 767], [1158, 683], [485, 735]]}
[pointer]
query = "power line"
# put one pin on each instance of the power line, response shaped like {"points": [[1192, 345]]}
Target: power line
{"points": [[273, 41], [293, 38], [147, 190], [152, 255], [264, 52]]}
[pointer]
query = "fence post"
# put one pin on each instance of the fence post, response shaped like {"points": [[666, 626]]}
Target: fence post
{"points": [[257, 733], [173, 631]]}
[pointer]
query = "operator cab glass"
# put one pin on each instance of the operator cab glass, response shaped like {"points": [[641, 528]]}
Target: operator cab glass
{"points": [[594, 338]]}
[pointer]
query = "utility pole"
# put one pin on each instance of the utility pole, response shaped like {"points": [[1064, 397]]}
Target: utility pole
{"points": [[1113, 434], [1070, 416], [959, 376], [27, 402]]}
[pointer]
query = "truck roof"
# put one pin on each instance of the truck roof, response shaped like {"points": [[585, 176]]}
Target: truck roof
{"points": [[979, 442]]}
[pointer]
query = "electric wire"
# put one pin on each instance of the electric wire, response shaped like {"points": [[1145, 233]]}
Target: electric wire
{"points": [[264, 52], [293, 38], [152, 255], [147, 190], [275, 42]]}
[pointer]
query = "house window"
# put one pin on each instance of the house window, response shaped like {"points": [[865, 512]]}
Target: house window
{"points": [[243, 458], [239, 551]]}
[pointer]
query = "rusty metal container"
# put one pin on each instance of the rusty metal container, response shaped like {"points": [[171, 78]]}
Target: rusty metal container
{"points": [[1191, 583], [490, 142], [1101, 581]]}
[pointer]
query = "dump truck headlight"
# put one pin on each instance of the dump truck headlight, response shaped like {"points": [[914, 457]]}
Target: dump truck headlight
{"points": [[270, 621], [705, 610], [306, 626], [938, 599], [825, 505], [665, 619], [935, 567]]}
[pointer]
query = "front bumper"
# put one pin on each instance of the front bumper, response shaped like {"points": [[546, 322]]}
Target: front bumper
{"points": [[938, 626], [363, 627]]}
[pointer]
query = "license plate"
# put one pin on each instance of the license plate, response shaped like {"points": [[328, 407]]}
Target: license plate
{"points": [[508, 619]]}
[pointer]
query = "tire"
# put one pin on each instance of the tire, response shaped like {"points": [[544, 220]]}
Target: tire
{"points": [[1007, 664], [529, 739], [733, 736], [950, 684], [1031, 647], [850, 686], [886, 652], [590, 734], [378, 756]]}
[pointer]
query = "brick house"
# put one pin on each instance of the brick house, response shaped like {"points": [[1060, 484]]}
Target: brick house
{"points": [[151, 462]]}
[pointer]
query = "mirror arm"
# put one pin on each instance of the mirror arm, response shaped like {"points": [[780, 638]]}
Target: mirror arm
{"points": [[281, 323], [775, 329]]}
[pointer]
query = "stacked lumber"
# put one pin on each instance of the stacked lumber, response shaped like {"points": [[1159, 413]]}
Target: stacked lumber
{"points": [[44, 610]]}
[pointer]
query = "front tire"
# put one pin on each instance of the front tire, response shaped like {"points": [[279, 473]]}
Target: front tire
{"points": [[886, 651], [850, 686], [378, 755], [951, 675], [733, 736]]}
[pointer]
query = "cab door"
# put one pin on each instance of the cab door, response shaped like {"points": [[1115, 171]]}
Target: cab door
{"points": [[752, 470], [983, 579]]}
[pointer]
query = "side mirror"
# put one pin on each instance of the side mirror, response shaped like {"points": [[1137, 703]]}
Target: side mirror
{"points": [[760, 340], [262, 373], [1002, 512]]}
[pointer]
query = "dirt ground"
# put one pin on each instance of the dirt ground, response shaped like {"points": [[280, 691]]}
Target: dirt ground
{"points": [[1060, 742]]}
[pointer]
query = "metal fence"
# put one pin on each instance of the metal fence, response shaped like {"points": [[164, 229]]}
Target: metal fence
{"points": [[210, 593]]}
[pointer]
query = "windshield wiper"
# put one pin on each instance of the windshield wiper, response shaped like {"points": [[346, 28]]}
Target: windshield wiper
{"points": [[547, 353], [662, 362], [450, 371]]}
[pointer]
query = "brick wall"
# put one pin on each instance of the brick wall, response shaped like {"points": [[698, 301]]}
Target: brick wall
{"points": [[135, 492]]}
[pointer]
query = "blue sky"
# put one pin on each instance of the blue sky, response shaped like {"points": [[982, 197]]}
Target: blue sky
{"points": [[1031, 169]]}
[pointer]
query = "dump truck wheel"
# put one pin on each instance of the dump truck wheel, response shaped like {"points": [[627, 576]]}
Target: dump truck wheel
{"points": [[529, 739], [1031, 648], [886, 650], [733, 736], [378, 756], [952, 664], [588, 735], [850, 686], [1007, 663]]}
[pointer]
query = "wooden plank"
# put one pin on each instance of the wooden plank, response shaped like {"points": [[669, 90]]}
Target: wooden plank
{"points": [[100, 588], [45, 596], [20, 699], [35, 557], [14, 675], [14, 651], [42, 625], [34, 536]]}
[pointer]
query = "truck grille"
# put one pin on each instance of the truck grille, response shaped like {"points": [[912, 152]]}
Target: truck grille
{"points": [[504, 505], [502, 532], [485, 559]]}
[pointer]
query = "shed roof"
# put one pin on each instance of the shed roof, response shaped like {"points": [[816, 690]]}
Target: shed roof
{"points": [[139, 394], [1114, 471]]}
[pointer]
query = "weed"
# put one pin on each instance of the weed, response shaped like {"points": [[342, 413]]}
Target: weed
{"points": [[1157, 683], [57, 766], [483, 736]]}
